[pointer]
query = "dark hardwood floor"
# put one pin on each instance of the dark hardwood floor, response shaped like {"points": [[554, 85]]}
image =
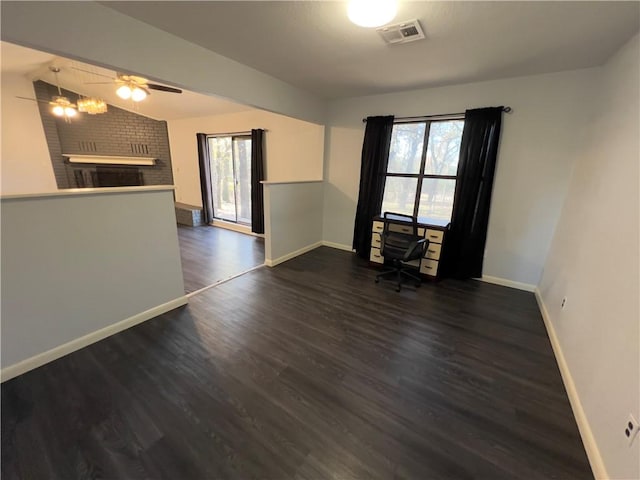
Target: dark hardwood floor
{"points": [[308, 370], [211, 254]]}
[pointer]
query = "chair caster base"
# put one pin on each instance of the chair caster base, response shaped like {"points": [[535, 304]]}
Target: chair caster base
{"points": [[397, 275]]}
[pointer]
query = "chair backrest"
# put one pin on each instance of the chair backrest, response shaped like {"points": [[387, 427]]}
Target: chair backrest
{"points": [[396, 244]]}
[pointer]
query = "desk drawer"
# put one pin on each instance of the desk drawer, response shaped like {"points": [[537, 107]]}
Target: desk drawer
{"points": [[396, 227], [375, 240], [376, 256], [429, 267], [433, 251], [434, 236], [378, 226]]}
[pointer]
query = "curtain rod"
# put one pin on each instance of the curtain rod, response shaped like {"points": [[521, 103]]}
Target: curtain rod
{"points": [[227, 134], [442, 115]]}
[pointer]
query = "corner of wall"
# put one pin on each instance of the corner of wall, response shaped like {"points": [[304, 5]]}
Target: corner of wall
{"points": [[590, 445], [595, 337]]}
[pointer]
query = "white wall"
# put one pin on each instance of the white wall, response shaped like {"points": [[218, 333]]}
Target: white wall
{"points": [[77, 263], [104, 37], [538, 144], [293, 219], [25, 165], [293, 148], [594, 261]]}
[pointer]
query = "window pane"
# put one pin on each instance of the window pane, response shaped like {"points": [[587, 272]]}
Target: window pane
{"points": [[399, 195], [443, 149], [242, 159], [222, 182], [405, 152], [436, 198]]}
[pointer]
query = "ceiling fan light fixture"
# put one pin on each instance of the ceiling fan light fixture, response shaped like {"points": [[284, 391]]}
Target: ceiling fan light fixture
{"points": [[124, 92], [138, 94], [62, 107], [58, 110], [372, 13]]}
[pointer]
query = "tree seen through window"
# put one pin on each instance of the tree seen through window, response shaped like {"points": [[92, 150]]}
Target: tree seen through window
{"points": [[421, 173]]}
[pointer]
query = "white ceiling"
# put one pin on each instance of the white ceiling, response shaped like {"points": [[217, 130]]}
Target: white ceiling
{"points": [[159, 105], [311, 44]]}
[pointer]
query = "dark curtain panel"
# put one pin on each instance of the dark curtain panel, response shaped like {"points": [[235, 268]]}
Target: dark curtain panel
{"points": [[205, 178], [464, 247], [375, 156], [257, 175]]}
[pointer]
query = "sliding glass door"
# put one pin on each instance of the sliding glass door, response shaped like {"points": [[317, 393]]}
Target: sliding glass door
{"points": [[230, 158]]}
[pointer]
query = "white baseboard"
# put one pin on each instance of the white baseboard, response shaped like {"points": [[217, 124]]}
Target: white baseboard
{"points": [[338, 246], [527, 287], [590, 445], [36, 361], [272, 263]]}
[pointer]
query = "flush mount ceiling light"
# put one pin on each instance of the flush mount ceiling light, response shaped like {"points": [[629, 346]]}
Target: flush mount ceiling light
{"points": [[372, 13]]}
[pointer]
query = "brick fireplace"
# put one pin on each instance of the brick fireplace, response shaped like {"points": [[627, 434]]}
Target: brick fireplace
{"points": [[117, 133]]}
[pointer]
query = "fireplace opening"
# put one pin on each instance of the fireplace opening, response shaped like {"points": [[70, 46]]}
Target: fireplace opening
{"points": [[117, 177]]}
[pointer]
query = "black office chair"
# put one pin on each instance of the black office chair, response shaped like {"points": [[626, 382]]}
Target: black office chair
{"points": [[401, 247]]}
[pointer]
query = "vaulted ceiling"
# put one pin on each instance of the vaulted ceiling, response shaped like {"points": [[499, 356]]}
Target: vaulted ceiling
{"points": [[79, 77]]}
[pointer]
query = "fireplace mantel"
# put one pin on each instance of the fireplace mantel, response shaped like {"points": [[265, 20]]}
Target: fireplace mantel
{"points": [[108, 159]]}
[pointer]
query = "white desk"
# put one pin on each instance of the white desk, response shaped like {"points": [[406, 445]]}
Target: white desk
{"points": [[433, 230]]}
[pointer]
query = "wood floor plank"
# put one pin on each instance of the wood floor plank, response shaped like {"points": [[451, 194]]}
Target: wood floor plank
{"points": [[308, 370], [210, 254]]}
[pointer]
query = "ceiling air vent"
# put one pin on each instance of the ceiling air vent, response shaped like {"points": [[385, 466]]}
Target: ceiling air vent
{"points": [[404, 32]]}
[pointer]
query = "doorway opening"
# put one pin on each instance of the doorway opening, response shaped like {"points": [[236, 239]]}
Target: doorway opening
{"points": [[230, 159]]}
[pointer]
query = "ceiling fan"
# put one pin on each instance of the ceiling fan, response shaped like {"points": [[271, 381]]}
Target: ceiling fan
{"points": [[131, 86], [61, 106]]}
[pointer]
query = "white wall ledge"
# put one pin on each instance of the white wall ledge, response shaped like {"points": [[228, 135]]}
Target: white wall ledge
{"points": [[101, 279], [89, 191]]}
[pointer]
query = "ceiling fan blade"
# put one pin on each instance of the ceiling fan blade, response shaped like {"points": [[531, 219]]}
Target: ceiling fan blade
{"points": [[32, 99], [162, 88], [93, 73], [98, 83], [72, 105]]}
